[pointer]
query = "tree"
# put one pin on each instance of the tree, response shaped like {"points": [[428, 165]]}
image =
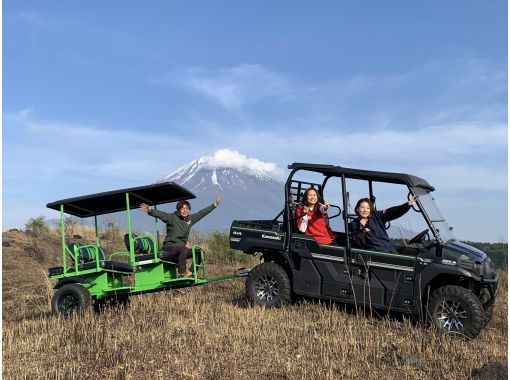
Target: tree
{"points": [[37, 225], [70, 223], [110, 234]]}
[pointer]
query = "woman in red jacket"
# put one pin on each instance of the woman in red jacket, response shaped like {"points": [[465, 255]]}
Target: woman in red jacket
{"points": [[311, 217]]}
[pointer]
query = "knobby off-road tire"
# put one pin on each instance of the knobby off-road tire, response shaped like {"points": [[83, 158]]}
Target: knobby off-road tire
{"points": [[454, 309], [268, 285], [69, 299]]}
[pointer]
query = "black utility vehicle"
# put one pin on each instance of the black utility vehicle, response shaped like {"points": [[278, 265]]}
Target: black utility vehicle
{"points": [[433, 276]]}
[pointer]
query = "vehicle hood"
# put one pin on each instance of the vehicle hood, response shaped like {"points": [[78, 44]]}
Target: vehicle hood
{"points": [[466, 249]]}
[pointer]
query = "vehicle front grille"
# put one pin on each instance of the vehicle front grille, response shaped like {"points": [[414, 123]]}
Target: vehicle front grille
{"points": [[466, 264]]}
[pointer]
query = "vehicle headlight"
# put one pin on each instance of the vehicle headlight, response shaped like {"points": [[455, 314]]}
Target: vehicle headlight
{"points": [[453, 263]]}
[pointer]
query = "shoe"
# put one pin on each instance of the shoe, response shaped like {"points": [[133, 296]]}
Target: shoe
{"points": [[199, 273], [186, 275]]}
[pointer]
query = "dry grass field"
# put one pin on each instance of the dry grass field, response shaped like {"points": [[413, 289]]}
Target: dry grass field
{"points": [[210, 332]]}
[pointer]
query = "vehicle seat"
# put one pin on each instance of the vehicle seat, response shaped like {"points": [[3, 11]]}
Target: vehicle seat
{"points": [[86, 253], [86, 257], [340, 238], [144, 246], [294, 224]]}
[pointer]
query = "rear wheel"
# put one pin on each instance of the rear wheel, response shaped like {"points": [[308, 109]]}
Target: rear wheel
{"points": [[268, 285], [454, 309], [69, 299]]}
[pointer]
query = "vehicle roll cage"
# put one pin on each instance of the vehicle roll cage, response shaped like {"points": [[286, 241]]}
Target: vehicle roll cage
{"points": [[343, 173]]}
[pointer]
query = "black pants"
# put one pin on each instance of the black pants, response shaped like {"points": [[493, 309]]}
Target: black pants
{"points": [[180, 253]]}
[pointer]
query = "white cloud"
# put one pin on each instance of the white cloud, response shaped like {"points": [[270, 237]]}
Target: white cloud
{"points": [[41, 149], [451, 76], [233, 87], [473, 177], [451, 157], [437, 144], [429, 142], [234, 159], [63, 147]]}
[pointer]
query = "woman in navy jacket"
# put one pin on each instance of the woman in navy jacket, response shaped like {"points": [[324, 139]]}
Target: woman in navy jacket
{"points": [[368, 230]]}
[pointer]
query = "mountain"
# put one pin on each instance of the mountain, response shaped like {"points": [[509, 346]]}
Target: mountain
{"points": [[248, 188]]}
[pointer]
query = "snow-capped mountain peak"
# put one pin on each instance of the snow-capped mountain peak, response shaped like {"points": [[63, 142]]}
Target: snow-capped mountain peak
{"points": [[248, 186], [226, 159], [228, 162]]}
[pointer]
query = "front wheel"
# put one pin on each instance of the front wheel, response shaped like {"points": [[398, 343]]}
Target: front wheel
{"points": [[454, 309], [268, 285], [69, 299]]}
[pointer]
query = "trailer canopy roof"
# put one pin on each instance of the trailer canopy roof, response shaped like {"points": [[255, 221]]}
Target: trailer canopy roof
{"points": [[113, 201], [333, 170]]}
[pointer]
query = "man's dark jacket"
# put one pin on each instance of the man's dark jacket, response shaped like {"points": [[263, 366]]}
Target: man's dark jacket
{"points": [[177, 227]]}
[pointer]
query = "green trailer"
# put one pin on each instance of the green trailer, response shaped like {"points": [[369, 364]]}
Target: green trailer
{"points": [[90, 275]]}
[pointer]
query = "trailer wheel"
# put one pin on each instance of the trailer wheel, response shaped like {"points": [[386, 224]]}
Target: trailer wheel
{"points": [[69, 299], [454, 309], [268, 285]]}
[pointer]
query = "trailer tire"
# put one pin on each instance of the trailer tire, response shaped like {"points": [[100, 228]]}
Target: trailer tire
{"points": [[268, 285], [454, 309], [69, 299]]}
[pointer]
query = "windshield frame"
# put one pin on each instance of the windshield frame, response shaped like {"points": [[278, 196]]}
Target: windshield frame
{"points": [[435, 219]]}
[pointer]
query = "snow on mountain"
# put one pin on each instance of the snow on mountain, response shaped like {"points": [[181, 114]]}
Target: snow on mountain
{"points": [[248, 187], [225, 159]]}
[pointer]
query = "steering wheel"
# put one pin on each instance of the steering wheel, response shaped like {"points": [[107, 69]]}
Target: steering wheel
{"points": [[338, 213], [418, 238]]}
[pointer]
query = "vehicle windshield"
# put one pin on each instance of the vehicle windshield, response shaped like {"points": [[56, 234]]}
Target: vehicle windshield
{"points": [[435, 216]]}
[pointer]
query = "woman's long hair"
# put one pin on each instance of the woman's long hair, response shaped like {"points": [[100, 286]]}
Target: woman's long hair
{"points": [[316, 209]]}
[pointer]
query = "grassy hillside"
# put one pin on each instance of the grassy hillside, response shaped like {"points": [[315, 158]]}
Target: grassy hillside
{"points": [[210, 332]]}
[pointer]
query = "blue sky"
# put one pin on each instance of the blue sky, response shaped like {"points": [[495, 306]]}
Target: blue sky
{"points": [[104, 95]]}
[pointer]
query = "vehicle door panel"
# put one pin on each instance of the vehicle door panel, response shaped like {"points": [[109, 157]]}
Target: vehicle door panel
{"points": [[383, 279], [321, 270]]}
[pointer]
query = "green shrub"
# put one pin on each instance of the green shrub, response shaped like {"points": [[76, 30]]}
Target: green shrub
{"points": [[37, 225], [219, 251]]}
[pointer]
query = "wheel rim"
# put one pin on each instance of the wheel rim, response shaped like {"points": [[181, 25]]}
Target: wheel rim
{"points": [[451, 315], [266, 288], [68, 303]]}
